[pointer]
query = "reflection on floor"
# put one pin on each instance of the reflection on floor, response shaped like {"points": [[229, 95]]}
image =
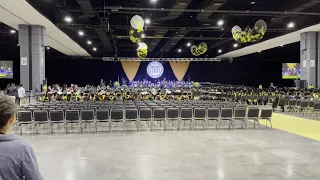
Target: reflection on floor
{"points": [[297, 125], [265, 154]]}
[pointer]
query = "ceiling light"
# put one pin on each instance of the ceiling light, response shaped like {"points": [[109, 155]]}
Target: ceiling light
{"points": [[81, 33], [235, 45], [153, 1], [12, 31], [147, 21], [179, 50], [143, 35], [220, 51], [220, 22], [291, 25], [68, 19], [94, 49], [89, 42], [48, 47], [188, 44], [252, 2], [259, 51]]}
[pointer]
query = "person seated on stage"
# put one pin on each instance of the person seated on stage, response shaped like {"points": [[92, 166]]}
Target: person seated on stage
{"points": [[59, 96], [80, 97], [102, 96], [64, 96], [92, 96], [43, 97]]}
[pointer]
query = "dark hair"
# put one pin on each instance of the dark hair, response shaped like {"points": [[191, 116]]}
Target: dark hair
{"points": [[7, 109]]}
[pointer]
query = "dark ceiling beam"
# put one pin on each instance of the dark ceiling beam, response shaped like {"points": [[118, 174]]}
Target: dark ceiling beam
{"points": [[213, 11], [175, 37]]}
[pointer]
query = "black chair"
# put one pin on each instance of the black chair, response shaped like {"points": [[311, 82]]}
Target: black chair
{"points": [[200, 115], [227, 115], [253, 114], [186, 114], [213, 115], [240, 115], [57, 117], [116, 116], [102, 116], [72, 117], [131, 116], [87, 117], [173, 115], [40, 118], [159, 115], [266, 114], [24, 118], [316, 108], [145, 114], [292, 105]]}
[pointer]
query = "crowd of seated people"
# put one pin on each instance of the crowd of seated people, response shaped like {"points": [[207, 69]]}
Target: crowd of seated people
{"points": [[159, 84]]}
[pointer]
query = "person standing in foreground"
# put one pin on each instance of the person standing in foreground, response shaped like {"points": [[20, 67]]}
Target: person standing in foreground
{"points": [[17, 159], [21, 94]]}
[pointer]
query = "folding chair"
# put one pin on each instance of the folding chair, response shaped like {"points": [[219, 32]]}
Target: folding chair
{"points": [[253, 114], [131, 116], [172, 116], [72, 117], [40, 118], [200, 115], [240, 115], [57, 117], [186, 114], [213, 115], [227, 115], [102, 115], [145, 114], [159, 115], [87, 117], [116, 116], [24, 118], [267, 115]]}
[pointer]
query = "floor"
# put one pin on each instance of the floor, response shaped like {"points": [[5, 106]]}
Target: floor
{"points": [[265, 154]]}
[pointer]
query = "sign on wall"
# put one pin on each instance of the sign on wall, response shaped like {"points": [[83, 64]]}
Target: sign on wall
{"points": [[155, 69], [24, 61]]}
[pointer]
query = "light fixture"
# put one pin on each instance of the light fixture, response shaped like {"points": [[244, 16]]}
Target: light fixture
{"points": [[252, 2], [89, 42], [291, 25], [12, 31], [68, 19], [259, 51], [281, 46], [143, 35], [235, 45], [147, 21], [220, 51], [179, 50], [94, 49], [81, 33], [48, 47], [220, 22], [153, 1], [189, 44]]}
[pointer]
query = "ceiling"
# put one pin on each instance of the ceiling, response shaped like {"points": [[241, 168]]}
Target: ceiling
{"points": [[174, 23]]}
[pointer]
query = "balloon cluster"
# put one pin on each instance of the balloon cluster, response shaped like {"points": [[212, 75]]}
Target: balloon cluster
{"points": [[135, 33], [200, 49], [250, 35]]}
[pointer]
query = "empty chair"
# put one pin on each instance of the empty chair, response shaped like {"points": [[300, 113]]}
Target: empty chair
{"points": [[200, 115], [32, 110], [253, 114], [240, 115], [145, 114], [159, 115], [304, 105], [57, 117], [72, 117], [102, 116], [87, 117], [186, 114], [213, 115], [24, 118], [316, 108], [40, 118], [292, 105], [226, 115], [116, 116], [266, 114], [173, 116], [131, 115]]}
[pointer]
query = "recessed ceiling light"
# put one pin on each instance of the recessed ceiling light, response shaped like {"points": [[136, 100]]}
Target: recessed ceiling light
{"points": [[191, 16], [235, 45], [153, 1], [220, 51], [179, 50], [259, 51], [291, 25], [188, 44], [12, 31], [89, 42], [220, 22], [68, 19], [143, 35], [147, 21], [81, 33], [48, 47], [94, 49], [252, 2]]}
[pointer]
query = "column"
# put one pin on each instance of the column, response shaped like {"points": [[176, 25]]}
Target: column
{"points": [[32, 55]]}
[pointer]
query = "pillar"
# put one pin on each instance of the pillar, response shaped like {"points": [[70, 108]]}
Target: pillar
{"points": [[309, 58], [32, 55]]}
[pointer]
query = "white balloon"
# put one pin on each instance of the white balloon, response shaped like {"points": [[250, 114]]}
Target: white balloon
{"points": [[142, 45], [235, 28], [137, 22]]}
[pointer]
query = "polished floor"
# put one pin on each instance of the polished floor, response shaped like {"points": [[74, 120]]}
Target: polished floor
{"points": [[265, 154]]}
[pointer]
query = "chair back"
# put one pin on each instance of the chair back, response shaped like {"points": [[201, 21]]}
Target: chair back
{"points": [[25, 116], [173, 113], [292, 102], [304, 104], [186, 113], [116, 114], [40, 115], [266, 113], [213, 113], [226, 113], [87, 115], [102, 114], [56, 115], [240, 112], [131, 114], [253, 112], [199, 113], [159, 113], [72, 115], [145, 113]]}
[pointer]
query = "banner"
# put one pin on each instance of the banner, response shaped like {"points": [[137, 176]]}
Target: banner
{"points": [[179, 68], [130, 68]]}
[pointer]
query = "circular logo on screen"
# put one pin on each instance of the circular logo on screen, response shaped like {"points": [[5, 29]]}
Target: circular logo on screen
{"points": [[155, 69]]}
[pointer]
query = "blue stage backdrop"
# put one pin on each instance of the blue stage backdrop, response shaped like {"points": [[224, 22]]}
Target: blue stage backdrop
{"points": [[142, 73]]}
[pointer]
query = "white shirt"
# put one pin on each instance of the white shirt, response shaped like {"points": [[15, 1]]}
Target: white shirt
{"points": [[21, 92]]}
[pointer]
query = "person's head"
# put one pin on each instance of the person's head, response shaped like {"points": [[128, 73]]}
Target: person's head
{"points": [[20, 85], [7, 112]]}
